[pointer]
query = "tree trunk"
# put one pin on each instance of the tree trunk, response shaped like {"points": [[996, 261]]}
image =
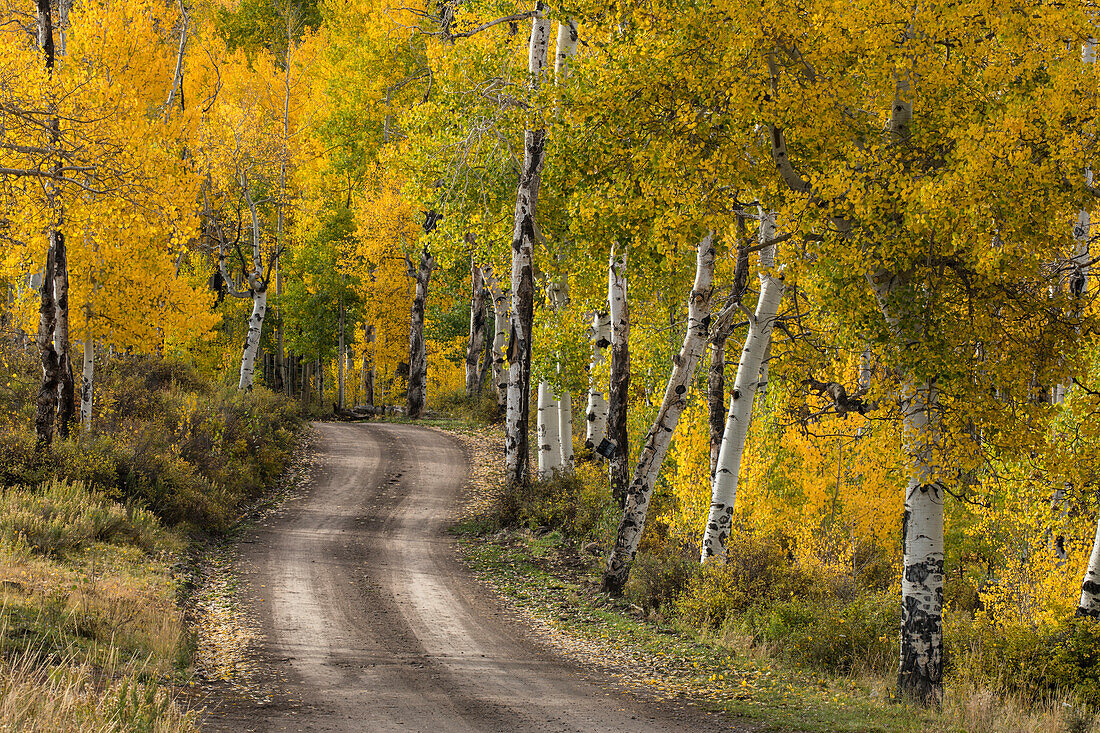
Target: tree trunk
{"points": [[343, 358], [565, 430], [516, 452], [619, 309], [716, 397], [66, 389], [566, 49], [1089, 604], [547, 431], [368, 368], [920, 674], [87, 382], [476, 341], [252, 338], [660, 435], [596, 413], [46, 404], [500, 339], [306, 389], [736, 428], [417, 396]]}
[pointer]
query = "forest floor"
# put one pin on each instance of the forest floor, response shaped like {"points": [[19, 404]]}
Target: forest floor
{"points": [[348, 608], [552, 584]]}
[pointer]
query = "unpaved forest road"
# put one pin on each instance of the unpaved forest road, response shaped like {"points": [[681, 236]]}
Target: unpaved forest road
{"points": [[370, 623]]}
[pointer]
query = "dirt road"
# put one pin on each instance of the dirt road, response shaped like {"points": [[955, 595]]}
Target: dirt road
{"points": [[369, 623]]}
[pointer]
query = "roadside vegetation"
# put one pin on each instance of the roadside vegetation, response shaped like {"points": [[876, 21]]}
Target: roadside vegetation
{"points": [[93, 531], [797, 644]]}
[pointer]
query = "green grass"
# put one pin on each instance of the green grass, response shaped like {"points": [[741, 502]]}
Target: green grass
{"points": [[545, 577], [684, 665]]}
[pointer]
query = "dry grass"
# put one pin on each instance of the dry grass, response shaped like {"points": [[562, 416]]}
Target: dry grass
{"points": [[90, 634], [37, 695]]}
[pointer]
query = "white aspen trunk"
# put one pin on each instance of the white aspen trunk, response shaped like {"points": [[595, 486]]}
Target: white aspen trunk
{"points": [[619, 383], [252, 338], [1089, 605], [258, 289], [87, 381], [547, 431], [567, 47], [596, 413], [516, 450], [921, 670], [500, 338], [660, 435], [565, 429], [177, 75], [865, 367], [757, 343]]}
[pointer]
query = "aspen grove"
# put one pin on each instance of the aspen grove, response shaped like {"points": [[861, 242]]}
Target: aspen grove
{"points": [[815, 276]]}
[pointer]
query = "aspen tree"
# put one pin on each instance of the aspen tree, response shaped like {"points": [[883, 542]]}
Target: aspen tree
{"points": [[476, 341], [660, 434], [619, 379], [417, 395], [728, 466], [523, 236], [499, 373], [596, 412]]}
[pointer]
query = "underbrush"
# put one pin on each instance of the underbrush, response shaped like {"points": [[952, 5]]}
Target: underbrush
{"points": [[91, 635], [834, 625], [482, 409]]}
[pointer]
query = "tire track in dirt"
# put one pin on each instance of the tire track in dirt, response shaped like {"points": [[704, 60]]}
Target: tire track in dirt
{"points": [[368, 622]]}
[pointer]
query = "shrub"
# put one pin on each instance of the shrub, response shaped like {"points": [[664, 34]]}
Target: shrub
{"points": [[659, 579], [757, 570], [841, 636], [61, 516], [576, 503], [1033, 661]]}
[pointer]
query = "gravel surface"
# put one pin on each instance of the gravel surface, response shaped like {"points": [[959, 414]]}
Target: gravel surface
{"points": [[363, 619]]}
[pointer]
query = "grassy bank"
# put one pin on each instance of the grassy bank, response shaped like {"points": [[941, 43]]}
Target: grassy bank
{"points": [[761, 637], [92, 531]]}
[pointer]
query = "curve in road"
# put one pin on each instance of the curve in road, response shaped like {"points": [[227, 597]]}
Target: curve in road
{"points": [[370, 623]]}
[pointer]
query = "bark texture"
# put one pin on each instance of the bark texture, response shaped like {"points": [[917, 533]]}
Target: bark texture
{"points": [[920, 672], [596, 413], [1089, 605], [547, 431], [516, 451], [66, 392], [920, 675], [45, 413], [417, 396], [565, 429], [252, 338], [500, 339], [87, 381], [736, 429], [660, 434], [619, 383]]}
